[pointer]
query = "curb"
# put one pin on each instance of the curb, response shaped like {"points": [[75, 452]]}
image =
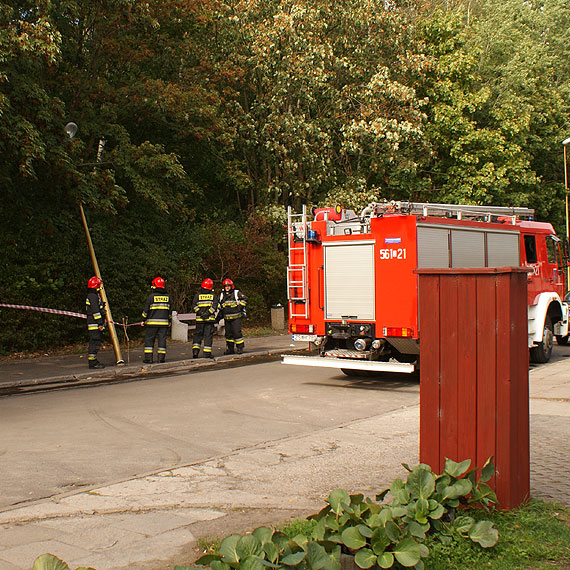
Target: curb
{"points": [[131, 372]]}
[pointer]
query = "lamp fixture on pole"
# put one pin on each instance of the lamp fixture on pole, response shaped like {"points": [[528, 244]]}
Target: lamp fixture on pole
{"points": [[71, 130]]}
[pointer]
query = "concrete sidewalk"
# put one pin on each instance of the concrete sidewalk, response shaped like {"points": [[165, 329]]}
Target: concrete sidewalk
{"points": [[20, 375], [152, 521]]}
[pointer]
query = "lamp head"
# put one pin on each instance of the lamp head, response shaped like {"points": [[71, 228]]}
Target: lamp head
{"points": [[565, 142], [71, 129]]}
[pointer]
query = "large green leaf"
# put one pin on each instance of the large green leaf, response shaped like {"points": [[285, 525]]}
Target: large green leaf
{"points": [[271, 551], [228, 550], [365, 558], [418, 530], [337, 499], [317, 556], [407, 552], [421, 511], [386, 560], [487, 470], [484, 533], [393, 531], [364, 530], [456, 469], [318, 532], [460, 488], [294, 558], [436, 510], [263, 534], [421, 482], [219, 565], [248, 545], [251, 563], [49, 562], [463, 524], [333, 562], [379, 541], [353, 538], [331, 522]]}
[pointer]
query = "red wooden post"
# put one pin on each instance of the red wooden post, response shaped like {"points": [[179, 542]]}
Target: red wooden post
{"points": [[474, 373]]}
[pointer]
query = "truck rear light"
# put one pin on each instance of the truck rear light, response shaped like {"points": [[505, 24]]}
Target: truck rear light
{"points": [[302, 328], [398, 331]]}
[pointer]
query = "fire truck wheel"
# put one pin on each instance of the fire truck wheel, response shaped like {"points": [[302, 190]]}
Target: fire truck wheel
{"points": [[562, 340], [541, 352]]}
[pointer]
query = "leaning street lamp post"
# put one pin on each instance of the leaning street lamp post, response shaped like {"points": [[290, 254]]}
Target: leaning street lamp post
{"points": [[565, 144], [71, 130]]}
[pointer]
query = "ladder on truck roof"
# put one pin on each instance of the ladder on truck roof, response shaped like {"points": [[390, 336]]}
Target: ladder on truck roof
{"points": [[297, 283], [459, 211]]}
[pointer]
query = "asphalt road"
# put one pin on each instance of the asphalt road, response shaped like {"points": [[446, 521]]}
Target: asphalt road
{"points": [[56, 442]]}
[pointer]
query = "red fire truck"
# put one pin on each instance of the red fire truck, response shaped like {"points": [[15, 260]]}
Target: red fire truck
{"points": [[353, 292]]}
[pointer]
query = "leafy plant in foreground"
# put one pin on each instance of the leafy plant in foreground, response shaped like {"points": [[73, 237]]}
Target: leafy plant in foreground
{"points": [[376, 534]]}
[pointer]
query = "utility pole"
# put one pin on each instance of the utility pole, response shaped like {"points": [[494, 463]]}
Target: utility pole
{"points": [[71, 130]]}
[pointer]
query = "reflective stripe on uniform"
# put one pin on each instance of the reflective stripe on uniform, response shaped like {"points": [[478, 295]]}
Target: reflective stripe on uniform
{"points": [[157, 323]]}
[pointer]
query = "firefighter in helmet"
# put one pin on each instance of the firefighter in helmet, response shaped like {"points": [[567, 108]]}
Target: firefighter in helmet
{"points": [[232, 309], [95, 309], [156, 319], [205, 305]]}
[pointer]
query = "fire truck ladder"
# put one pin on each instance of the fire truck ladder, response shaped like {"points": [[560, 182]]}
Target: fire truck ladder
{"points": [[459, 211], [297, 286]]}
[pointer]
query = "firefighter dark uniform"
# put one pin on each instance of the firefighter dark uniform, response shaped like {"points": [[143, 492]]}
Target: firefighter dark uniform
{"points": [[205, 305], [95, 309], [156, 319], [232, 309]]}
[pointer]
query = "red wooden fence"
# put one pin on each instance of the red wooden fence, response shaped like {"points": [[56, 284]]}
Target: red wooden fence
{"points": [[474, 399]]}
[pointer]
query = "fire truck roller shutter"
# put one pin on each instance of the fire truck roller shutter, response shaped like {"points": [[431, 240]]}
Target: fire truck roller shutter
{"points": [[467, 248], [503, 249], [433, 247], [349, 280]]}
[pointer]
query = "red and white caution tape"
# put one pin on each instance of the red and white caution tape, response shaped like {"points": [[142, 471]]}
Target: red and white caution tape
{"points": [[58, 312], [44, 310]]}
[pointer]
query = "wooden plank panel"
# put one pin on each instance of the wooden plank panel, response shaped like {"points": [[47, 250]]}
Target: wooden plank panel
{"points": [[504, 436], [449, 325], [486, 368], [429, 299], [520, 471], [467, 369]]}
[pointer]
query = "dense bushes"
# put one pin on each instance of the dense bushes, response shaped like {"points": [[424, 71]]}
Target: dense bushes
{"points": [[51, 270]]}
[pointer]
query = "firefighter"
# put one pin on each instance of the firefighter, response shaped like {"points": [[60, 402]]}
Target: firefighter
{"points": [[205, 305], [95, 309], [232, 309], [156, 319]]}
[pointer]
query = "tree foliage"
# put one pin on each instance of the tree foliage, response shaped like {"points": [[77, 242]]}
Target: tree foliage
{"points": [[200, 122]]}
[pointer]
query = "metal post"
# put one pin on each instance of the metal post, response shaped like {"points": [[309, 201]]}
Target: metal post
{"points": [[565, 143], [112, 331]]}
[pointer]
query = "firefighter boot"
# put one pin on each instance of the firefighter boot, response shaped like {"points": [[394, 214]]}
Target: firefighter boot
{"points": [[195, 352], [239, 348], [229, 348], [96, 364], [147, 360], [161, 358]]}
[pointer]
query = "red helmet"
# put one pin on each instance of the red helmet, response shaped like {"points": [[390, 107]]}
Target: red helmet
{"points": [[228, 282], [94, 283], [207, 284], [158, 282]]}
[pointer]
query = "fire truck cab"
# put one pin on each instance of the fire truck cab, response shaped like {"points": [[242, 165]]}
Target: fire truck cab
{"points": [[353, 290]]}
